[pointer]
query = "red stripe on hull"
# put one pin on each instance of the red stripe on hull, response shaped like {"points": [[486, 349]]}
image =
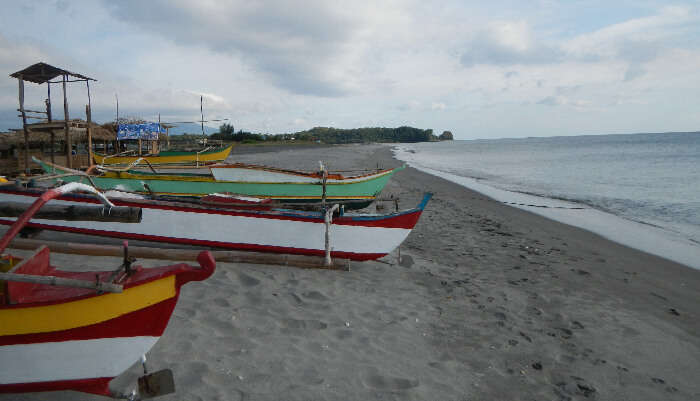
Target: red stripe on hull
{"points": [[149, 321], [99, 386], [406, 221], [206, 243], [401, 220]]}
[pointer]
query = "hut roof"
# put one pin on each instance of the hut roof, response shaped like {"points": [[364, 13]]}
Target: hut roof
{"points": [[40, 73]]}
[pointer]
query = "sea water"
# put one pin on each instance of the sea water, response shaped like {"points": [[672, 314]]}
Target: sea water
{"points": [[641, 190]]}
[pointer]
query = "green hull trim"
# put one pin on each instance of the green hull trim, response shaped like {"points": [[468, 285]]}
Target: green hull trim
{"points": [[200, 185]]}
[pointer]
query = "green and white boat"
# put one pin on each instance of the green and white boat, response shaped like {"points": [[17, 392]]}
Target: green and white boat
{"points": [[284, 186]]}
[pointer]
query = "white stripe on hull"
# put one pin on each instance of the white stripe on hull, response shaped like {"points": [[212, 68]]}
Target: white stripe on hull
{"points": [[243, 230], [71, 360]]}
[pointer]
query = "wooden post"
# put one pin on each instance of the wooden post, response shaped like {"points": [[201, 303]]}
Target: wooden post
{"points": [[157, 144], [48, 100], [24, 124], [328, 219], [89, 120], [324, 175], [53, 146], [69, 147], [140, 146], [88, 115], [50, 118]]}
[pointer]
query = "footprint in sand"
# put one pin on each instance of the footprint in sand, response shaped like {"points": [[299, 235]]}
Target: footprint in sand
{"points": [[299, 325], [343, 334], [222, 302], [247, 281], [386, 383], [406, 261], [314, 296], [295, 299]]}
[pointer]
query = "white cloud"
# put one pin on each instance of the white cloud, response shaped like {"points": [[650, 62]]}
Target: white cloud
{"points": [[507, 43], [632, 39], [280, 66], [438, 106], [301, 48]]}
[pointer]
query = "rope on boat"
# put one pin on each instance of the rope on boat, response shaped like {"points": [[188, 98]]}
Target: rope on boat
{"points": [[201, 151], [328, 218], [127, 168]]}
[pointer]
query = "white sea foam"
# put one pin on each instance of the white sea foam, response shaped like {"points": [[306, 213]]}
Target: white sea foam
{"points": [[649, 238]]}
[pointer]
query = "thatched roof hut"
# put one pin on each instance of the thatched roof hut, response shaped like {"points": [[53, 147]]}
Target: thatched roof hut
{"points": [[41, 133]]}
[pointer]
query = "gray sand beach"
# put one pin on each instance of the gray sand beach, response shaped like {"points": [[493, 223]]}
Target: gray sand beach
{"points": [[486, 302]]}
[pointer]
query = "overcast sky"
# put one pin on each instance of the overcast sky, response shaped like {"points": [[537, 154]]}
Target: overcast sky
{"points": [[479, 69]]}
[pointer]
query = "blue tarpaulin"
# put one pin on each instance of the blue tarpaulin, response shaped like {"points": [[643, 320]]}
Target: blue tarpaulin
{"points": [[147, 131]]}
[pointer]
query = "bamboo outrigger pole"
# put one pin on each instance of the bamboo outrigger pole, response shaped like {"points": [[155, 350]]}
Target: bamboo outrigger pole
{"points": [[61, 282], [121, 214], [302, 261]]}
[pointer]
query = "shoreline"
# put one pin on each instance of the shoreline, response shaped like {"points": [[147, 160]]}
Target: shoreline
{"points": [[486, 301], [643, 236]]}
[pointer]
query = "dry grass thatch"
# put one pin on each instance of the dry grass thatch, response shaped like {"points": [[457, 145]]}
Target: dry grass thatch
{"points": [[37, 135]]}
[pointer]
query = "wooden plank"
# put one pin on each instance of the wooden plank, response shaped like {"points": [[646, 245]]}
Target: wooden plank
{"points": [[32, 111], [62, 282], [301, 261]]}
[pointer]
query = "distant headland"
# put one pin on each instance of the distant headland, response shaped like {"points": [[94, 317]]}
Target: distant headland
{"points": [[329, 135]]}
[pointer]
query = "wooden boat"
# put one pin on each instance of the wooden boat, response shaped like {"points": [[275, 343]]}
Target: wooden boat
{"points": [[254, 173], [262, 182], [358, 237], [87, 327], [207, 156]]}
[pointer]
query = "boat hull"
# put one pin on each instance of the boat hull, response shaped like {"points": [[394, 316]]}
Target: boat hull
{"points": [[168, 157], [362, 237], [58, 338], [366, 188]]}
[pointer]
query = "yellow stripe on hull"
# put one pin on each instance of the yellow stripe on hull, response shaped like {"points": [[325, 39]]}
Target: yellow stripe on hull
{"points": [[84, 312], [175, 159]]}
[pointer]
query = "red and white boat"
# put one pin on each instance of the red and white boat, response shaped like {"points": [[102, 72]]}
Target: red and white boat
{"points": [[357, 237], [72, 336]]}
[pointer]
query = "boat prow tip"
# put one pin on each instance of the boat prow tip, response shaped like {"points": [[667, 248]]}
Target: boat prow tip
{"points": [[207, 264], [426, 198]]}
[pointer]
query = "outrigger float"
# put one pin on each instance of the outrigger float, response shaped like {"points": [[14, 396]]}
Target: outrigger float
{"points": [[349, 236], [65, 330]]}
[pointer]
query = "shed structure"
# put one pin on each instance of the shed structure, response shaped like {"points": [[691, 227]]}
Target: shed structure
{"points": [[42, 73]]}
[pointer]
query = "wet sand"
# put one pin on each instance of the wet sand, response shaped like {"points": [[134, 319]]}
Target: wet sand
{"points": [[486, 302]]}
